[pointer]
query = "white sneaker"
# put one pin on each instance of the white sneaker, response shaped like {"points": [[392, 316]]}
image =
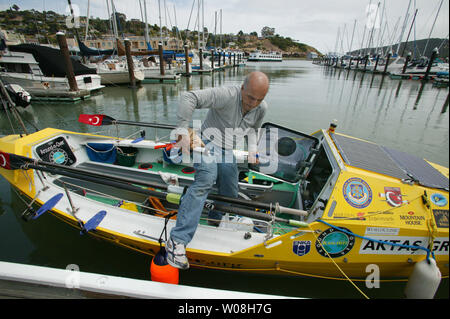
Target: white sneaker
{"points": [[176, 254]]}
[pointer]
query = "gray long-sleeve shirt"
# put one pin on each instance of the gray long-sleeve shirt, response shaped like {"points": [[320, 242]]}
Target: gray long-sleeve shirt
{"points": [[224, 121]]}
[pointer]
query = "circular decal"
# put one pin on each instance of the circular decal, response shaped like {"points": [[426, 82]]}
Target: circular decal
{"points": [[438, 199], [58, 156], [334, 242], [357, 192]]}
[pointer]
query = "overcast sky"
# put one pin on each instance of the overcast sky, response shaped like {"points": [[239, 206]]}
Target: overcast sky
{"points": [[313, 22]]}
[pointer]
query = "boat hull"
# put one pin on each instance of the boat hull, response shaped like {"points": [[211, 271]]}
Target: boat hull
{"points": [[119, 77], [345, 239], [41, 86]]}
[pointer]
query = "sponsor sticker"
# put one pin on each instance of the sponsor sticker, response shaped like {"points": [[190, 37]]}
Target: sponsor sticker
{"points": [[301, 247], [357, 192], [438, 199], [382, 231], [393, 196], [334, 242], [411, 219], [441, 217], [440, 245]]}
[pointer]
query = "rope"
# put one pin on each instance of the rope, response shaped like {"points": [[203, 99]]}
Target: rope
{"points": [[378, 241], [343, 273]]}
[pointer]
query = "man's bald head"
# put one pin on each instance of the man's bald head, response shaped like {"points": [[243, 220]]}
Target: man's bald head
{"points": [[256, 79], [254, 89]]}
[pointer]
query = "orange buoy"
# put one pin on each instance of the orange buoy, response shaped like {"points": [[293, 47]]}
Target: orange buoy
{"points": [[161, 271]]}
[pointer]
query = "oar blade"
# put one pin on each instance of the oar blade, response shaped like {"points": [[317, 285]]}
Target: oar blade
{"points": [[93, 222], [48, 205]]}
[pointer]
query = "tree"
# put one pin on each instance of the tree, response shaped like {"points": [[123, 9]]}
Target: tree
{"points": [[267, 32]]}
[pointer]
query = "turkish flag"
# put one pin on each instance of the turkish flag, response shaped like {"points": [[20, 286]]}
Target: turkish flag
{"points": [[94, 119], [4, 160]]}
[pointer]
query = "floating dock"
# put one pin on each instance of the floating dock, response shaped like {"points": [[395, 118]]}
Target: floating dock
{"points": [[28, 281]]}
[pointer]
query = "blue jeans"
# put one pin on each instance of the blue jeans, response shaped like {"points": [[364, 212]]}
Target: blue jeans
{"points": [[210, 170]]}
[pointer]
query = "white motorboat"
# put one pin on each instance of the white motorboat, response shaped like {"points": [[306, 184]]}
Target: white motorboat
{"points": [[29, 67]]}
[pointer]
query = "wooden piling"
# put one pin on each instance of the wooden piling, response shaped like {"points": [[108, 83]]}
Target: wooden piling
{"points": [[212, 60], [430, 63], [162, 69], [408, 57], [387, 62], [130, 63], [201, 59], [61, 37], [376, 63], [186, 57], [365, 62]]}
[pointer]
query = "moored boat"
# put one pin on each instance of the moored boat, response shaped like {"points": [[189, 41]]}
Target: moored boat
{"points": [[333, 202], [40, 71], [259, 56]]}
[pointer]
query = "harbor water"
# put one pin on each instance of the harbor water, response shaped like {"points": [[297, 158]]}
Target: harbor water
{"points": [[407, 115]]}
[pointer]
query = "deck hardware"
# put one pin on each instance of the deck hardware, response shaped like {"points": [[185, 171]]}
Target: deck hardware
{"points": [[38, 173], [28, 213], [72, 208]]}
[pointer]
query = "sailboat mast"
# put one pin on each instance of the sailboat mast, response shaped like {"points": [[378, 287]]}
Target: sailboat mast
{"points": [[114, 20], [87, 21], [160, 23], [203, 24], [403, 27], [353, 33], [198, 25], [147, 38], [434, 22]]}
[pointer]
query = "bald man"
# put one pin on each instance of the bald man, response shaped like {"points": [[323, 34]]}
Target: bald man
{"points": [[238, 108]]}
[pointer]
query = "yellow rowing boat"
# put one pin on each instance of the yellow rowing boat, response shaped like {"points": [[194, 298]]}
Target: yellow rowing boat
{"points": [[334, 205]]}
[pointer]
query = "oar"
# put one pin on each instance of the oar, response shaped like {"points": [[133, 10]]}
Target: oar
{"points": [[91, 224], [17, 161], [101, 120]]}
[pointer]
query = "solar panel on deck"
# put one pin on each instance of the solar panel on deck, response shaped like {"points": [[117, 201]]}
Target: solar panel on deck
{"points": [[419, 169], [368, 156], [383, 160]]}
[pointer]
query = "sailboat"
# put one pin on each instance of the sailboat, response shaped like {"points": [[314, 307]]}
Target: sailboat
{"points": [[113, 69]]}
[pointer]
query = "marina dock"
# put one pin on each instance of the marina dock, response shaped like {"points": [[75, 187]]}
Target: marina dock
{"points": [[28, 281]]}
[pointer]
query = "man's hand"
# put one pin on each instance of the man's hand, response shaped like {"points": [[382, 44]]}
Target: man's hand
{"points": [[253, 158], [190, 141]]}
